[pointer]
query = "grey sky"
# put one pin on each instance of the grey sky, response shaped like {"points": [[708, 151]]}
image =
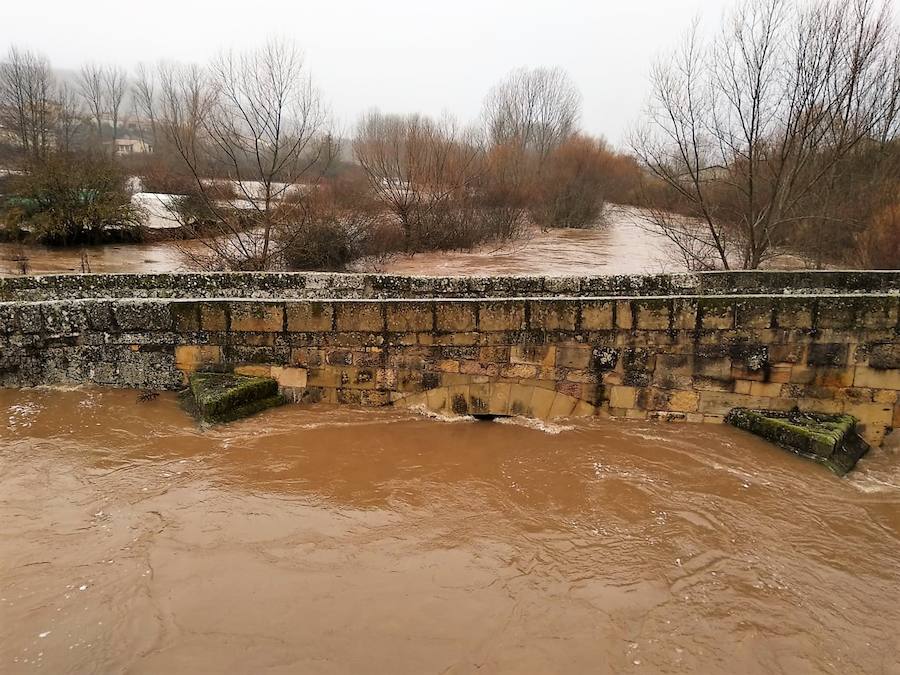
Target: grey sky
{"points": [[398, 55]]}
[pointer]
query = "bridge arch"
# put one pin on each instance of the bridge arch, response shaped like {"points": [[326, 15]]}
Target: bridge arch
{"points": [[499, 399]]}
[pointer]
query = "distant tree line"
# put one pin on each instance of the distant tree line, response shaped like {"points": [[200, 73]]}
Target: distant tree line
{"points": [[779, 134]]}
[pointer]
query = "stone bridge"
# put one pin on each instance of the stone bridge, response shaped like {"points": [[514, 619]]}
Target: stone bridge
{"points": [[676, 347]]}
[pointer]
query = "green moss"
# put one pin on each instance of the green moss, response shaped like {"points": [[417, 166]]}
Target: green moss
{"points": [[222, 397], [829, 439]]}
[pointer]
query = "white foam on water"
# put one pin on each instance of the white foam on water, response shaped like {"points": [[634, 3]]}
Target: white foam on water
{"points": [[440, 417], [536, 424]]}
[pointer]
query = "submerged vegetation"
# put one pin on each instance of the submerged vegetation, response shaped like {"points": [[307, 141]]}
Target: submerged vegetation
{"points": [[65, 199]]}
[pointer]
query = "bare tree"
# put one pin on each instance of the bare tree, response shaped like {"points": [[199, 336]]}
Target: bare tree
{"points": [[115, 86], [91, 86], [749, 133], [536, 109], [27, 107], [526, 118], [251, 124], [103, 90], [419, 169], [68, 117]]}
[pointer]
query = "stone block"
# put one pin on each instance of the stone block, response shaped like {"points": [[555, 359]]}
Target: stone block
{"points": [[884, 356], [478, 368], [794, 313], [326, 376], [624, 315], [307, 317], [410, 316], [542, 402], [604, 359], [257, 317], [438, 399], [742, 386], [541, 355], [876, 312], [597, 315], [874, 419], [501, 315], [828, 354], [257, 370], [713, 367], [779, 372], [715, 313], [186, 317], [822, 376], [652, 314], [563, 405], [754, 313], [519, 371], [100, 316], [137, 315], [584, 409], [885, 396], [684, 401], [838, 312], [792, 352], [765, 389], [213, 317], [520, 399], [573, 355], [359, 316], [455, 316], [374, 399], [499, 400], [684, 314], [552, 314], [289, 377], [622, 397], [876, 379], [721, 403], [189, 358]]}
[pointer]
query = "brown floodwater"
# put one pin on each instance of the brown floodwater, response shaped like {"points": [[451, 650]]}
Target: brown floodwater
{"points": [[620, 246], [322, 540]]}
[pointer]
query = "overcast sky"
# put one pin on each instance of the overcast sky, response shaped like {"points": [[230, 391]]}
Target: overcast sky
{"points": [[397, 55]]}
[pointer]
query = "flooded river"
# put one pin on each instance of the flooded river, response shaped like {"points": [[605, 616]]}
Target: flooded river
{"points": [[323, 540], [618, 247]]}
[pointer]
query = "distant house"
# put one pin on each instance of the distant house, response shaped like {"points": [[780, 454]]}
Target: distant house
{"points": [[132, 146]]}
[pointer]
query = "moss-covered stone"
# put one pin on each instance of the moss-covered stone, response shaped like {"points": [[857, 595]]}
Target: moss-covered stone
{"points": [[829, 439], [223, 397]]}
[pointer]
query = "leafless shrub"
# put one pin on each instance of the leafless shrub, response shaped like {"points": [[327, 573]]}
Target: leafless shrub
{"points": [[423, 172], [570, 189]]}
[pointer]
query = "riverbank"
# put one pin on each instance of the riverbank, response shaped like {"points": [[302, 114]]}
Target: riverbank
{"points": [[340, 540]]}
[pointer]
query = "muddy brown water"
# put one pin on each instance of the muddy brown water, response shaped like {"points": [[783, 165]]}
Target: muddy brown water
{"points": [[322, 540], [618, 247]]}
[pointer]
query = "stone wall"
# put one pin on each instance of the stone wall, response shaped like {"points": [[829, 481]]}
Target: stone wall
{"points": [[682, 356]]}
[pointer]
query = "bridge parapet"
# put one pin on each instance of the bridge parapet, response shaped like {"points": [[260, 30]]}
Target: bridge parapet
{"points": [[687, 355]]}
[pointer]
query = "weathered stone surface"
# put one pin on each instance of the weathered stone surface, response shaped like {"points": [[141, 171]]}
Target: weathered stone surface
{"points": [[223, 397], [303, 317], [829, 439], [885, 356], [257, 317], [685, 347]]}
